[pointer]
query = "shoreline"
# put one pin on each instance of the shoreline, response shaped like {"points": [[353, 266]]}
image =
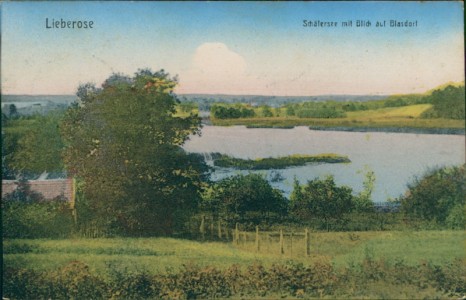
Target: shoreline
{"points": [[450, 131], [414, 130]]}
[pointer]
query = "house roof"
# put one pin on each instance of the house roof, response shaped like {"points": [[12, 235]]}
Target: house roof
{"points": [[49, 188]]}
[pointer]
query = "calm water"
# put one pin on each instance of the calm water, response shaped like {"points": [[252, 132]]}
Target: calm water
{"points": [[396, 158]]}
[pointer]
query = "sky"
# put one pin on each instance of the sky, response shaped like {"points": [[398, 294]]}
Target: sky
{"points": [[241, 48]]}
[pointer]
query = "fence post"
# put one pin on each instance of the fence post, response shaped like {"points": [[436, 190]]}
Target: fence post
{"points": [[236, 234], [257, 239], [282, 251], [307, 242], [291, 244], [202, 227], [212, 228], [219, 229]]}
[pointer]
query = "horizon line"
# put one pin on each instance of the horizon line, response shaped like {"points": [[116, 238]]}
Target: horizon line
{"points": [[462, 82]]}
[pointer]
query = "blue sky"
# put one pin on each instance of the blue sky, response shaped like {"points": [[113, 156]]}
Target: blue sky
{"points": [[234, 48]]}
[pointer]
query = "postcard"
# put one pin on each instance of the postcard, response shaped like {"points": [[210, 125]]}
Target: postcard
{"points": [[266, 150]]}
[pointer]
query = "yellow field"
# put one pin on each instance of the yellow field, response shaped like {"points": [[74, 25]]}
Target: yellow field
{"points": [[411, 111]]}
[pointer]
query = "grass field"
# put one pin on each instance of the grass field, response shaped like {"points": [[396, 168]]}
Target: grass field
{"points": [[396, 117], [343, 265], [156, 255]]}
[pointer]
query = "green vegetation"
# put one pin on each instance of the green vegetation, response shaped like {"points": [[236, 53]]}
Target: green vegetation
{"points": [[361, 265], [321, 199], [231, 112], [428, 125], [159, 255], [438, 196], [363, 201], [222, 160], [447, 103], [382, 120], [434, 202], [437, 111], [31, 144], [245, 198], [124, 143], [25, 214]]}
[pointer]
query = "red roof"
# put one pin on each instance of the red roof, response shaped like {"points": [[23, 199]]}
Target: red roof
{"points": [[50, 188]]}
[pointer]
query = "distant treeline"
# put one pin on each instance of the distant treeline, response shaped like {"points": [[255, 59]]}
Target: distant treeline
{"points": [[206, 101], [447, 102]]}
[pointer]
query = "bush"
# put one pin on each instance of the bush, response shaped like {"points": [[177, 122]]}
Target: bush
{"points": [[37, 220], [245, 199], [321, 200], [437, 197], [370, 278]]}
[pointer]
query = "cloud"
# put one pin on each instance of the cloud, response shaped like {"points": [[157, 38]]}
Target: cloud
{"points": [[215, 59], [215, 69]]}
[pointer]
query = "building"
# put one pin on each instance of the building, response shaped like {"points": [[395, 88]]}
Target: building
{"points": [[49, 188]]}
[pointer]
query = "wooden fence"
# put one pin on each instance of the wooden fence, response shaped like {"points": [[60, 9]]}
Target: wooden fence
{"points": [[289, 243]]}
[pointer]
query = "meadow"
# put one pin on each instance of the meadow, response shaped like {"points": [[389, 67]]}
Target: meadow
{"points": [[359, 265], [156, 255]]}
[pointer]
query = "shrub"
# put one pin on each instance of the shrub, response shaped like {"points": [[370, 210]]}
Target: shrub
{"points": [[36, 220], [75, 281], [246, 199], [437, 196], [323, 200]]}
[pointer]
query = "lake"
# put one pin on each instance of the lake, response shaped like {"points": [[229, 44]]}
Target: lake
{"points": [[395, 158]]}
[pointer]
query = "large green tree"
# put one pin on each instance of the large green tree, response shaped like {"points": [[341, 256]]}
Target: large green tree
{"points": [[124, 141]]}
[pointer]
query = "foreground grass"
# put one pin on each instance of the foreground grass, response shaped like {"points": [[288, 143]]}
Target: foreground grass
{"points": [[156, 255], [359, 265]]}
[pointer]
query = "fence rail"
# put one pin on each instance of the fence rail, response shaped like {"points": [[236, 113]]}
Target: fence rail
{"points": [[298, 242]]}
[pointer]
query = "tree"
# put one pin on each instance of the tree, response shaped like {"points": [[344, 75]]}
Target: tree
{"points": [[9, 144], [246, 198], [447, 103], [290, 110], [39, 147], [124, 142], [13, 112], [266, 111], [321, 200], [363, 201], [437, 195]]}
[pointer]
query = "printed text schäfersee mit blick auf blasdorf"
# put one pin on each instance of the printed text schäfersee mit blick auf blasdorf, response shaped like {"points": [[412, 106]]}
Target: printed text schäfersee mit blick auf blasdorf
{"points": [[359, 23]]}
